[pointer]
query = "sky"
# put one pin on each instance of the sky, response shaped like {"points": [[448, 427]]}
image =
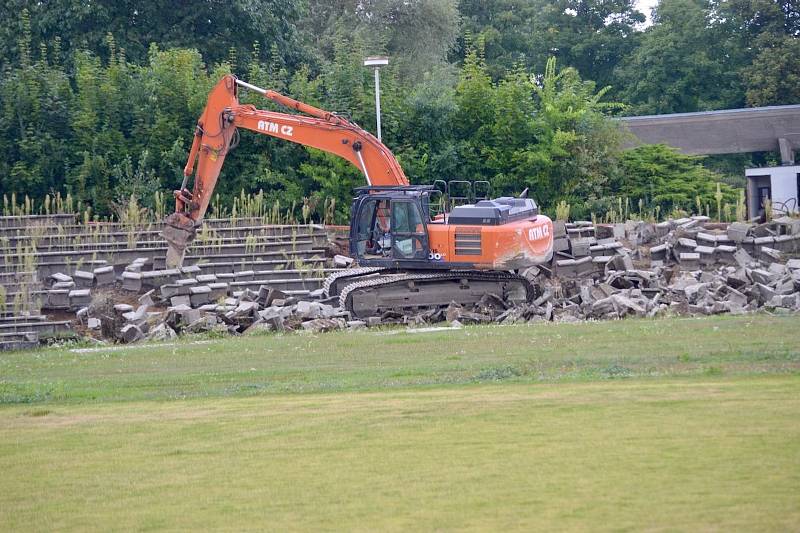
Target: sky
{"points": [[645, 6]]}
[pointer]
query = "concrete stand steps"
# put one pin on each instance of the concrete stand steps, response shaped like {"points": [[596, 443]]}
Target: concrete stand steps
{"points": [[260, 266], [281, 284], [13, 319], [72, 226], [229, 259], [122, 254], [11, 222], [19, 341], [148, 238], [42, 327], [54, 265], [48, 263]]}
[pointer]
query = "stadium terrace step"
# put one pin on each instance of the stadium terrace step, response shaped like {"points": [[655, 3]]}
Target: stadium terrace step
{"points": [[151, 239], [13, 222], [127, 255], [13, 319], [60, 227], [25, 340], [260, 265], [41, 327]]}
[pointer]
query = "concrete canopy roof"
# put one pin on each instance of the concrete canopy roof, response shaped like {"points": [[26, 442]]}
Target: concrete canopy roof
{"points": [[730, 131]]}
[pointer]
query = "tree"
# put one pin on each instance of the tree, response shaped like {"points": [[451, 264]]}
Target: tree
{"points": [[211, 26], [661, 176], [544, 132], [765, 34], [682, 64], [589, 35], [774, 76]]}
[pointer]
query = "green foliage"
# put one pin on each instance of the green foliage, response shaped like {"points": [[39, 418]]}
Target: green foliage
{"points": [[98, 101], [680, 65], [662, 177], [545, 132], [774, 76]]}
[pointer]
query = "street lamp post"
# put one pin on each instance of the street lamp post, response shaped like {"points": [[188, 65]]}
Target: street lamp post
{"points": [[377, 62]]}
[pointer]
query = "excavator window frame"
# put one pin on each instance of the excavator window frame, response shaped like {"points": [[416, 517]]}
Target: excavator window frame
{"points": [[417, 237], [390, 255]]}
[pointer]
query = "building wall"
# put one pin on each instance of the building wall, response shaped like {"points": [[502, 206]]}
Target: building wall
{"points": [[783, 184]]}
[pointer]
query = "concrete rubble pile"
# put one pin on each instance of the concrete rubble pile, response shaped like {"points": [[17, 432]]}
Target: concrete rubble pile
{"points": [[689, 266]]}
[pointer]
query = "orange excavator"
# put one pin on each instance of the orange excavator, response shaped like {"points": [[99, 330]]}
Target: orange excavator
{"points": [[409, 255]]}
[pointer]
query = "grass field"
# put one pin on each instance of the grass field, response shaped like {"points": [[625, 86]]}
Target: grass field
{"points": [[674, 424]]}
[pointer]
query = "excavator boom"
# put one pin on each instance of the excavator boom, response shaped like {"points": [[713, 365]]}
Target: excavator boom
{"points": [[217, 129]]}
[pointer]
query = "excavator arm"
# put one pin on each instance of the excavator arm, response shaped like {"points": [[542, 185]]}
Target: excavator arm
{"points": [[216, 131]]}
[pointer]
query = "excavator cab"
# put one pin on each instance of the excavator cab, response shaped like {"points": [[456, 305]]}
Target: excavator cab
{"points": [[390, 226]]}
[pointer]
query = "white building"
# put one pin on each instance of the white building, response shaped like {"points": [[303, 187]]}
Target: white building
{"points": [[781, 185]]}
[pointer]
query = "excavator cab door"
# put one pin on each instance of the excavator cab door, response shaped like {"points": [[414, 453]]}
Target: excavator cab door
{"points": [[409, 235], [387, 231]]}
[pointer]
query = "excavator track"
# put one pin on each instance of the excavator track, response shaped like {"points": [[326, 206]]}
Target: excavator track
{"points": [[405, 291], [334, 282]]}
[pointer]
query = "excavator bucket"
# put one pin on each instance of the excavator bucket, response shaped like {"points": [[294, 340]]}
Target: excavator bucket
{"points": [[179, 231]]}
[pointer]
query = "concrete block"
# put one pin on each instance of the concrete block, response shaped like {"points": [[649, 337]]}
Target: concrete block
{"points": [[342, 261], [738, 231], [200, 295], [584, 265], [566, 268], [131, 333], [138, 315], [134, 267], [123, 308], [689, 261], [156, 278], [59, 277], [79, 298], [742, 258], [147, 298], [601, 262], [168, 290], [759, 275], [183, 299], [132, 281], [191, 270], [580, 247], [104, 275], [559, 229], [765, 292], [725, 254], [659, 253], [320, 325], [785, 243], [770, 255], [306, 309], [189, 315], [706, 254], [218, 290], [560, 244], [83, 279], [663, 228], [57, 299], [206, 278], [64, 285]]}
